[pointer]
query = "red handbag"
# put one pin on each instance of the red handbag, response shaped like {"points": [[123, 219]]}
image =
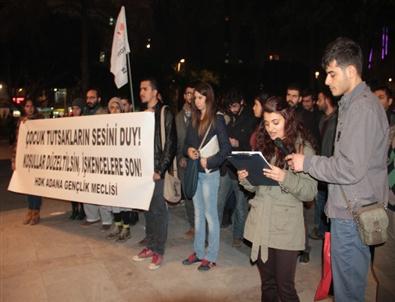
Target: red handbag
{"points": [[326, 278]]}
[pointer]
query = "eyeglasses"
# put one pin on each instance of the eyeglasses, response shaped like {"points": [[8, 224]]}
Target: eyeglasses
{"points": [[188, 93], [91, 97]]}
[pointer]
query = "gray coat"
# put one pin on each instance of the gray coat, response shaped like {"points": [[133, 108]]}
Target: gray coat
{"points": [[359, 161]]}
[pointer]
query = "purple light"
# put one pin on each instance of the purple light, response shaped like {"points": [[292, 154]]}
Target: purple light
{"points": [[383, 44], [370, 58]]}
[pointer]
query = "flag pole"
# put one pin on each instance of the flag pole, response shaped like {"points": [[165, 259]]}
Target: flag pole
{"points": [[130, 80]]}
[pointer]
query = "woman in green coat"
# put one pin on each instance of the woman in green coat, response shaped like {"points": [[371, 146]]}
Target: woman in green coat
{"points": [[275, 224]]}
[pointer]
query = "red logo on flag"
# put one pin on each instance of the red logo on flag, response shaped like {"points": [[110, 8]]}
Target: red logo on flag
{"points": [[121, 29]]}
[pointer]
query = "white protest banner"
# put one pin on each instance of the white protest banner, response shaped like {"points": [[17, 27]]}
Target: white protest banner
{"points": [[100, 159]]}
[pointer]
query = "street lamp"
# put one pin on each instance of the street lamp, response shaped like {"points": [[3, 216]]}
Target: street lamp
{"points": [[179, 64]]}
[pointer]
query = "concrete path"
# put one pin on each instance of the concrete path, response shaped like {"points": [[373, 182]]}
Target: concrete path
{"points": [[60, 260]]}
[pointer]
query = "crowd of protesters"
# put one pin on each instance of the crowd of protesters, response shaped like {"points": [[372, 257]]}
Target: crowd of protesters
{"points": [[323, 136]]}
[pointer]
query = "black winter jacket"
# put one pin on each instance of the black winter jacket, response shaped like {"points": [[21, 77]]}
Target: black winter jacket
{"points": [[240, 128], [218, 128], [164, 158]]}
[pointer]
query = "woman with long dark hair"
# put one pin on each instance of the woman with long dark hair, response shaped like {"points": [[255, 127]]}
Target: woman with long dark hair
{"points": [[259, 102], [206, 125], [30, 112], [275, 224]]}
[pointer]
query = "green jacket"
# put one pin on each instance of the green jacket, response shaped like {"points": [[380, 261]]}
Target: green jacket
{"points": [[276, 219]]}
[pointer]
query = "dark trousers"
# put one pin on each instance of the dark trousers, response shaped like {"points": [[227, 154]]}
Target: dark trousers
{"points": [[34, 202], [156, 220], [123, 216], [278, 276], [189, 209], [190, 212]]}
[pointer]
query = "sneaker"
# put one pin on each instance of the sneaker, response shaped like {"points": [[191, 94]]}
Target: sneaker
{"points": [[189, 234], [206, 265], [88, 223], [124, 234], [304, 257], [114, 231], [144, 254], [155, 262], [191, 259], [237, 242], [28, 217]]}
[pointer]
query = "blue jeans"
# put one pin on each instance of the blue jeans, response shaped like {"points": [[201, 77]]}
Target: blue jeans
{"points": [[350, 261], [34, 202], [205, 204], [226, 187]]}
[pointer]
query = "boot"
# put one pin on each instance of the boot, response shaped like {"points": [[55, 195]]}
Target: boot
{"points": [[28, 216], [189, 234], [115, 230], [35, 217]]}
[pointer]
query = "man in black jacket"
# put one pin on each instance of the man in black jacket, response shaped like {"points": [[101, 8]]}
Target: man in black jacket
{"points": [[157, 215], [240, 128], [310, 114], [327, 127]]}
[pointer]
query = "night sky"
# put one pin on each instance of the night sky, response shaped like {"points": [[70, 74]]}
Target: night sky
{"points": [[55, 43]]}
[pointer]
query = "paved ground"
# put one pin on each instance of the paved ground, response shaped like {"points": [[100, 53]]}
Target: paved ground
{"points": [[59, 260]]}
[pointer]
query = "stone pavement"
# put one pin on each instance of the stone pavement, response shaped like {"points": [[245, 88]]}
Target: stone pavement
{"points": [[60, 260]]}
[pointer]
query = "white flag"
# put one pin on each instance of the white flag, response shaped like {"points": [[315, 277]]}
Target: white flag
{"points": [[120, 47]]}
